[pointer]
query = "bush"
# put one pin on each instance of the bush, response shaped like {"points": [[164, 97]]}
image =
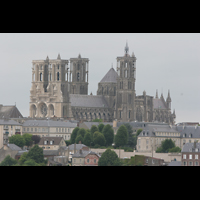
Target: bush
{"points": [[121, 138]]}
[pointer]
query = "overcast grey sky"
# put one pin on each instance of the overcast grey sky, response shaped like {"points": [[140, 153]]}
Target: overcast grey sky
{"points": [[164, 61]]}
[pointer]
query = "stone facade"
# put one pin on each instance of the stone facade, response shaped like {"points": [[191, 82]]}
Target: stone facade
{"points": [[62, 91]]}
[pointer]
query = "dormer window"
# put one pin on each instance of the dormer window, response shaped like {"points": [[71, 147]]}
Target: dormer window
{"points": [[196, 149], [143, 132], [45, 142], [51, 142], [184, 135], [190, 135]]}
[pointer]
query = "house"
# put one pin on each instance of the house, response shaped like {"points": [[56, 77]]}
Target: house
{"points": [[51, 143], [85, 158], [8, 127], [49, 127], [190, 154], [9, 149], [9, 112]]}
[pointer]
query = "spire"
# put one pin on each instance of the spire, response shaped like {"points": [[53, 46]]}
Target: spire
{"points": [[59, 57], [156, 93], [168, 97], [47, 58], [126, 49], [79, 55]]}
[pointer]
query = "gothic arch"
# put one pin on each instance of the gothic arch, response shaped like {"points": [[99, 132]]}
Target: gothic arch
{"points": [[42, 109], [33, 111], [50, 110]]}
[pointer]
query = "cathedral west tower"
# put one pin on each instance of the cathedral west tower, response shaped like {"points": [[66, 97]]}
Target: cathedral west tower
{"points": [[125, 96]]}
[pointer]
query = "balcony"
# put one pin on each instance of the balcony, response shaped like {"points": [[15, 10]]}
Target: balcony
{"points": [[5, 127], [18, 133], [6, 132]]}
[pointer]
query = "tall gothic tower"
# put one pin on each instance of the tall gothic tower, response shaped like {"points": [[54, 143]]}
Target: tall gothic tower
{"points": [[125, 96], [79, 68], [49, 94]]}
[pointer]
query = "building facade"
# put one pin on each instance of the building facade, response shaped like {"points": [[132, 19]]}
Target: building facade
{"points": [[62, 91]]}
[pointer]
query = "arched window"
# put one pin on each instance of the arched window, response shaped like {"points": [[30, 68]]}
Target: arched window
{"points": [[50, 77], [57, 76], [78, 76], [125, 73], [34, 77], [40, 76]]}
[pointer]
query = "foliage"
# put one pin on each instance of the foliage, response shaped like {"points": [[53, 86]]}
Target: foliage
{"points": [[121, 137], [74, 135], [92, 130], [100, 127], [23, 158], [36, 139], [97, 120], [28, 139], [138, 131], [87, 139], [79, 138], [166, 145], [175, 149], [36, 153], [8, 161], [17, 140], [131, 138], [108, 133], [136, 160], [68, 142], [30, 162], [81, 131], [99, 139], [109, 158]]}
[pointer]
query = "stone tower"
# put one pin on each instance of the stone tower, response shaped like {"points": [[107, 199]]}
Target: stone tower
{"points": [[79, 68], [125, 96], [49, 94]]}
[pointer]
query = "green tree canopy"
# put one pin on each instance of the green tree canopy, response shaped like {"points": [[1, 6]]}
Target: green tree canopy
{"points": [[28, 139], [36, 153], [8, 161], [74, 135], [23, 158], [30, 162], [121, 138], [79, 138], [81, 131], [36, 139], [131, 138], [138, 131], [87, 139], [166, 145], [100, 127], [175, 149], [17, 140], [92, 130], [99, 138], [109, 158], [97, 120], [108, 133]]}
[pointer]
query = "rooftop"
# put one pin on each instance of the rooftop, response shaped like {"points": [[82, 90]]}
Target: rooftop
{"points": [[111, 76]]}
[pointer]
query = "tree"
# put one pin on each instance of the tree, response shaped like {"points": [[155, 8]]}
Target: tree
{"points": [[138, 131], [97, 120], [23, 158], [166, 145], [108, 133], [17, 140], [109, 158], [36, 153], [74, 135], [8, 161], [131, 137], [87, 139], [121, 138], [175, 149], [99, 139], [79, 138], [81, 131], [36, 139], [92, 130], [30, 162], [28, 139], [100, 127]]}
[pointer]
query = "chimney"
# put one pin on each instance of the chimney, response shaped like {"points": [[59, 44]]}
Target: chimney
{"points": [[79, 142], [80, 151], [74, 148], [195, 144]]}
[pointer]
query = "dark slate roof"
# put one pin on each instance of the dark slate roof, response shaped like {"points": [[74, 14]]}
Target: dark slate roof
{"points": [[49, 123], [78, 146], [50, 152], [56, 140], [10, 112], [188, 130], [157, 103], [9, 122], [79, 100], [14, 147], [189, 147], [151, 129], [140, 124], [111, 76], [175, 163]]}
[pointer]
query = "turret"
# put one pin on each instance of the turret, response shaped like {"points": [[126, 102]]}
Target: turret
{"points": [[168, 100]]}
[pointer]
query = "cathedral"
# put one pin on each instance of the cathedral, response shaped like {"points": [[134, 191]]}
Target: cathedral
{"points": [[60, 89]]}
